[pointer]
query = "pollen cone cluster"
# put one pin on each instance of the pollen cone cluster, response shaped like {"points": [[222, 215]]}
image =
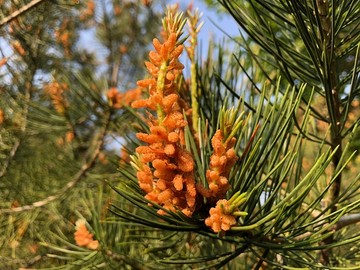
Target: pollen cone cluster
{"points": [[221, 217], [83, 237], [166, 169], [221, 162], [55, 91]]}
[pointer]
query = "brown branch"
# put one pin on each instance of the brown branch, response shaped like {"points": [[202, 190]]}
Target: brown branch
{"points": [[323, 8], [342, 222], [98, 143], [20, 11], [10, 157], [346, 221]]}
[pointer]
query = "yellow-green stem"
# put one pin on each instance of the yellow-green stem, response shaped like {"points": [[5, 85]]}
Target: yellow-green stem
{"points": [[160, 88]]}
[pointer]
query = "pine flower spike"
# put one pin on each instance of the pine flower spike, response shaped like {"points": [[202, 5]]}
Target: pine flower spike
{"points": [[221, 162], [224, 154], [83, 237], [223, 216], [55, 91], [165, 169]]}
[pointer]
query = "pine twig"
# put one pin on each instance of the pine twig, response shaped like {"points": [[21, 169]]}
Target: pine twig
{"points": [[347, 220], [9, 158], [326, 21], [343, 222], [20, 11]]}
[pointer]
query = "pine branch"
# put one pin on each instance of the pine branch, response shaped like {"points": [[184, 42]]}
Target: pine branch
{"points": [[347, 220], [20, 11], [331, 78], [344, 221], [10, 157]]}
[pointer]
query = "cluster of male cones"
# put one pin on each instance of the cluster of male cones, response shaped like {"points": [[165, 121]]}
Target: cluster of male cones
{"points": [[165, 167], [166, 170]]}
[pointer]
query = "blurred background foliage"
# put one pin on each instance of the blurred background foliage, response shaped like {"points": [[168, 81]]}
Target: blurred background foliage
{"points": [[294, 71], [59, 133]]}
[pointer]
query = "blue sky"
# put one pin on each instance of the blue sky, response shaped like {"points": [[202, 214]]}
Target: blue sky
{"points": [[209, 30]]}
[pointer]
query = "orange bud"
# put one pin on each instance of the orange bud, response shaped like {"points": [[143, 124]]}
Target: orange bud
{"points": [[161, 184], [178, 182], [173, 137], [83, 237], [185, 161], [155, 58], [165, 195], [3, 61], [157, 45], [169, 150], [18, 48], [219, 219]]}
